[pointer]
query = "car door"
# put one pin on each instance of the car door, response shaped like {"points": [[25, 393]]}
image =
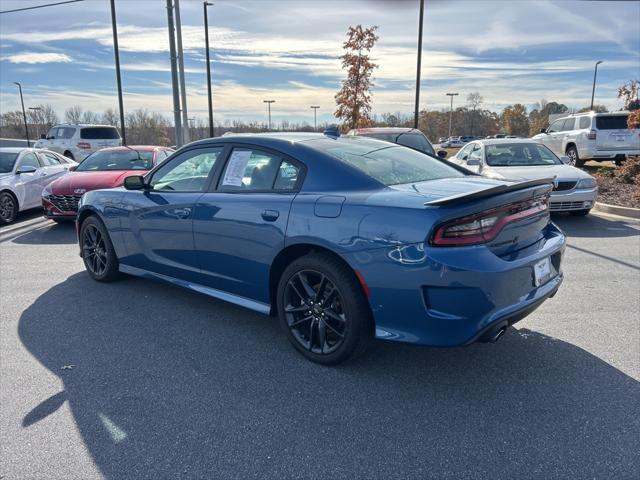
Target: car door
{"points": [[553, 138], [157, 227], [32, 183], [240, 226]]}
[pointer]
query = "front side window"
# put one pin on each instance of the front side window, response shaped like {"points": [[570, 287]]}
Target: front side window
{"points": [[417, 142], [188, 172], [117, 160], [254, 170], [99, 133], [520, 154], [476, 153], [466, 150], [555, 126], [49, 159], [29, 160], [7, 161]]}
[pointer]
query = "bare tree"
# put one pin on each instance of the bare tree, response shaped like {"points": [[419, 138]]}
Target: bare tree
{"points": [[73, 114], [474, 100], [110, 117]]}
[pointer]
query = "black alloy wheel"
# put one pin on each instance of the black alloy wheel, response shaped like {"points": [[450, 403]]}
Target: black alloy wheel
{"points": [[323, 309], [314, 313], [97, 251], [8, 208]]}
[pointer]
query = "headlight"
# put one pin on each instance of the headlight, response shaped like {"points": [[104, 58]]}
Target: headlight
{"points": [[587, 183]]}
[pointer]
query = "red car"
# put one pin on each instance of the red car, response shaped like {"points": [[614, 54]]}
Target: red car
{"points": [[106, 168]]}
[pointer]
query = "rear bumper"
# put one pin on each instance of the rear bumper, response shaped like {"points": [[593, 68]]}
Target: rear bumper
{"points": [[573, 200], [454, 296], [590, 152]]}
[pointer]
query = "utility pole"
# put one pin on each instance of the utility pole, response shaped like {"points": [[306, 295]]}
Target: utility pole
{"points": [[24, 114], [593, 90], [269, 102], [174, 75], [451, 110], [206, 41], [315, 110], [183, 90], [116, 51], [417, 109]]}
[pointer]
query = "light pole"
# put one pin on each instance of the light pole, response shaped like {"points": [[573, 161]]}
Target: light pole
{"points": [[206, 41], [269, 102], [114, 27], [177, 120], [417, 109], [593, 90], [315, 110], [24, 114], [37, 109], [451, 110]]}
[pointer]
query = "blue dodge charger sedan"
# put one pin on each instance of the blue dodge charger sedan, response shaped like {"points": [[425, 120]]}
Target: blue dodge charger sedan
{"points": [[344, 238]]}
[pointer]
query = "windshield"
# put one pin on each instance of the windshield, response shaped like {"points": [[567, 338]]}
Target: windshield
{"points": [[117, 160], [99, 133], [519, 155], [7, 161], [394, 165]]}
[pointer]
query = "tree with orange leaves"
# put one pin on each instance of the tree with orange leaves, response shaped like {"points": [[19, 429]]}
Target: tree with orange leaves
{"points": [[354, 98]]}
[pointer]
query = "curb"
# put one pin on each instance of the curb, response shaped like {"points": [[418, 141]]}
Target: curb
{"points": [[616, 210]]}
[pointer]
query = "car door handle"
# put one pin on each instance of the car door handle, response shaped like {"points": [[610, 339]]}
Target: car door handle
{"points": [[270, 215], [180, 212]]}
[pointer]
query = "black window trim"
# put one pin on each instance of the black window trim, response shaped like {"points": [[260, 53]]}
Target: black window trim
{"points": [[217, 187]]}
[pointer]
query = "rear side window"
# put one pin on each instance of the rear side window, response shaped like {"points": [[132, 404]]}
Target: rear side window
{"points": [[585, 122], [614, 122], [99, 133], [254, 170]]}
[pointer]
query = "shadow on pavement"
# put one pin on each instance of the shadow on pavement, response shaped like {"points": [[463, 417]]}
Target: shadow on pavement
{"points": [[164, 383], [595, 226], [48, 233]]}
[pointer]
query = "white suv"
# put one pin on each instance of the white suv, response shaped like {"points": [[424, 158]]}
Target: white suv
{"points": [[77, 141], [592, 136]]}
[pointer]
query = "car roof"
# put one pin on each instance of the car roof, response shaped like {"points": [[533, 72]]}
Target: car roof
{"points": [[499, 141], [82, 125], [386, 130], [142, 148], [15, 149]]}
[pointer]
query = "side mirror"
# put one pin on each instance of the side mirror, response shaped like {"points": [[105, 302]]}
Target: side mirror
{"points": [[473, 162], [566, 160], [442, 153], [543, 130], [26, 169], [43, 136], [135, 182], [72, 168]]}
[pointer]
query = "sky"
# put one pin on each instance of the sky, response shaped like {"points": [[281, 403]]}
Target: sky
{"points": [[288, 50]]}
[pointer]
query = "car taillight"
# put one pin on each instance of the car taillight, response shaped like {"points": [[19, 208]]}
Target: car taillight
{"points": [[84, 145], [485, 226], [591, 135]]}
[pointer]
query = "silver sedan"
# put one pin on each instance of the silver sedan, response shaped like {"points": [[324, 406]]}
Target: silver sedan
{"points": [[574, 191], [24, 172]]}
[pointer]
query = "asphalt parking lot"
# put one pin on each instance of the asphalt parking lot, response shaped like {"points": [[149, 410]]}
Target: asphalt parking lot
{"points": [[138, 379]]}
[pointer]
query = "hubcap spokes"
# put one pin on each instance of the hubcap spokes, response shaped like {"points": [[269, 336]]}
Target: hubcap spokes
{"points": [[313, 308], [6, 207], [94, 250]]}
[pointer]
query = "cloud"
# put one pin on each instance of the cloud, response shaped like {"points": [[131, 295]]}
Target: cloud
{"points": [[33, 57]]}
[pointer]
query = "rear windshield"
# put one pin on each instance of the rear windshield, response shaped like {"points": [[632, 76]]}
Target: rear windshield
{"points": [[392, 165], [614, 122], [99, 133], [7, 160], [117, 160], [411, 140]]}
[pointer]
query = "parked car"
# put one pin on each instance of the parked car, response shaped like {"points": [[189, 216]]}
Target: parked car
{"points": [[24, 172], [466, 138], [574, 191], [409, 137], [592, 136], [454, 142], [106, 168], [343, 237], [77, 141]]}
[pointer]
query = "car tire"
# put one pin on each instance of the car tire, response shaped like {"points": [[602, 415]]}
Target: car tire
{"points": [[580, 213], [327, 293], [572, 153], [97, 251], [8, 208], [69, 155]]}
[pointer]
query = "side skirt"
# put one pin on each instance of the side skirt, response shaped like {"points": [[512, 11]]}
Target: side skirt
{"points": [[211, 292]]}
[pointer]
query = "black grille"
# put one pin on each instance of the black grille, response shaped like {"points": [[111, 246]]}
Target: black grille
{"points": [[66, 203], [564, 186]]}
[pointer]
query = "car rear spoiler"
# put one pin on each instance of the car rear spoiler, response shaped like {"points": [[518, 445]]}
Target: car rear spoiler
{"points": [[467, 197]]}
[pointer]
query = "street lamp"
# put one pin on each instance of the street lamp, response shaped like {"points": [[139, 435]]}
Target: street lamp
{"points": [[37, 109], [315, 110], [269, 102], [206, 41], [24, 114], [417, 109], [593, 90], [116, 51], [451, 110]]}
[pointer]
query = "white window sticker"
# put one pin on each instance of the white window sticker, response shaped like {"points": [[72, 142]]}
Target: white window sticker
{"points": [[235, 168]]}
